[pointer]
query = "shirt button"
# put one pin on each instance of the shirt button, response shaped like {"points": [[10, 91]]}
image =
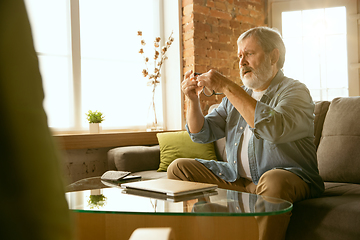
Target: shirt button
{"points": [[241, 128], [235, 144], [234, 161], [220, 173]]}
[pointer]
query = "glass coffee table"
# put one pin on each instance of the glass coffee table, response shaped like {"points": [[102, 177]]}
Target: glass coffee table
{"points": [[103, 210]]}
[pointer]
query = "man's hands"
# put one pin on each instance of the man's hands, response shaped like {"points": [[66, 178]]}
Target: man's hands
{"points": [[193, 85], [213, 81], [190, 87]]}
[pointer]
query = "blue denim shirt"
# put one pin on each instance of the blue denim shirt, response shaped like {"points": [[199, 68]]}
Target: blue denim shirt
{"points": [[283, 134]]}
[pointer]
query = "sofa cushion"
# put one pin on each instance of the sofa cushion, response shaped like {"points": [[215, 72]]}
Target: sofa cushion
{"points": [[320, 111], [335, 215], [134, 158], [220, 149], [339, 152], [175, 145], [151, 174]]}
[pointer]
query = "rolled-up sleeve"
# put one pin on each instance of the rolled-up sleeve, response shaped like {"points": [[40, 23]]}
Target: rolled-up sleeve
{"points": [[214, 125]]}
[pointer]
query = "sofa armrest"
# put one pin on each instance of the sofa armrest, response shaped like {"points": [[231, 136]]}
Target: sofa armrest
{"points": [[134, 158]]}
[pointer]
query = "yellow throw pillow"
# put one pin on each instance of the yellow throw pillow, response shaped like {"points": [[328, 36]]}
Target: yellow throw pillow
{"points": [[175, 145]]}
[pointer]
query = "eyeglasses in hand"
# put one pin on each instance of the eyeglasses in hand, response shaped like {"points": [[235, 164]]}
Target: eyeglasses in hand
{"points": [[207, 92]]}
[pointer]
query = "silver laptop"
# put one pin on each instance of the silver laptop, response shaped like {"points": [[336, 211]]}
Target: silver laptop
{"points": [[170, 187], [161, 196]]}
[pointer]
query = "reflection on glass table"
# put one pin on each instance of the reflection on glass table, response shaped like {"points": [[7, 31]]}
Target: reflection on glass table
{"points": [[103, 208], [221, 202]]}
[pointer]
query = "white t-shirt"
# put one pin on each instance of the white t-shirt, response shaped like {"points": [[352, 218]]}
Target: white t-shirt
{"points": [[244, 168]]}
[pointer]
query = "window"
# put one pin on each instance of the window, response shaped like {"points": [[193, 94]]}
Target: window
{"points": [[89, 60], [319, 45]]}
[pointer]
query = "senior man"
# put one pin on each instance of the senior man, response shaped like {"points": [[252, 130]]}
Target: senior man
{"points": [[269, 128]]}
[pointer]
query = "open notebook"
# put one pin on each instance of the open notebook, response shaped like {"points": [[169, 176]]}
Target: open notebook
{"points": [[170, 187]]}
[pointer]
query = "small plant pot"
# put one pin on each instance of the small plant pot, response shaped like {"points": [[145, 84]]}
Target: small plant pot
{"points": [[94, 127]]}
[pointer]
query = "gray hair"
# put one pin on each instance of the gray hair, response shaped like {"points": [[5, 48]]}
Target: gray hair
{"points": [[269, 39]]}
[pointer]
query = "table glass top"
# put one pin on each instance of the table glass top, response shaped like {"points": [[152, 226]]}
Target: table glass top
{"points": [[95, 195]]}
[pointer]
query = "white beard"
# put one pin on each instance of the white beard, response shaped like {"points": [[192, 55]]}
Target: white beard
{"points": [[259, 77]]}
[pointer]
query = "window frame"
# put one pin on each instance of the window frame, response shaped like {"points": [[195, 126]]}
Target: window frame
{"points": [[170, 21], [278, 6]]}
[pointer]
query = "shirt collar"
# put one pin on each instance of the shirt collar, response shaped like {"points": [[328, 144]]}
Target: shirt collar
{"points": [[274, 85]]}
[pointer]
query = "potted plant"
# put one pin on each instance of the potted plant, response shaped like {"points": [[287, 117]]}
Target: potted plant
{"points": [[94, 118], [96, 201]]}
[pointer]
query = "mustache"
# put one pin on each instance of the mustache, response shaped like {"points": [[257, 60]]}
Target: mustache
{"points": [[246, 69]]}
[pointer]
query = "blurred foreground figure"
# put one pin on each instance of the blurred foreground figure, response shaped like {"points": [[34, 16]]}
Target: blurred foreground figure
{"points": [[32, 199]]}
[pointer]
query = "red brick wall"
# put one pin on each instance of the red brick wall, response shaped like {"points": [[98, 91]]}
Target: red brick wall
{"points": [[210, 31]]}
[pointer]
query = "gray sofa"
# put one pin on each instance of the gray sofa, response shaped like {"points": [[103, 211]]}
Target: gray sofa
{"points": [[334, 215]]}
